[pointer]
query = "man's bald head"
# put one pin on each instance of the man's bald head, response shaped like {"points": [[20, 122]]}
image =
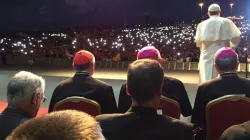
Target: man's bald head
{"points": [[226, 60]]}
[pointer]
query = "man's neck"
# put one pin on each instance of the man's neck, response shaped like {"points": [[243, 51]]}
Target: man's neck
{"points": [[148, 104], [214, 16], [25, 108], [83, 72], [226, 72]]}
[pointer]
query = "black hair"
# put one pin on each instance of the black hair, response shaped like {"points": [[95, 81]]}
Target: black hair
{"points": [[144, 80], [226, 64]]}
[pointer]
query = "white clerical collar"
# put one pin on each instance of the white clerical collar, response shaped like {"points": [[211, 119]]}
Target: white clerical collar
{"points": [[228, 73], [82, 73], [213, 16]]}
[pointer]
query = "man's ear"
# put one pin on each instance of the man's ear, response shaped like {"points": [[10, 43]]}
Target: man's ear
{"points": [[237, 65], [217, 68], [36, 99], [161, 61], [127, 91], [160, 92], [92, 68]]}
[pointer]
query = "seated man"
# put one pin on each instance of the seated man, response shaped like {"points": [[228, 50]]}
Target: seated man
{"points": [[172, 88], [237, 132], [61, 125], [25, 93], [84, 85], [141, 122], [228, 83]]}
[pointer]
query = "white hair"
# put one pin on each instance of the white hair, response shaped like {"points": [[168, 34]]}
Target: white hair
{"points": [[24, 85]]}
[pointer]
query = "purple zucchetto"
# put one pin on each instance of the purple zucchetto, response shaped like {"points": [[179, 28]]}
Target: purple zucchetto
{"points": [[225, 52], [149, 52], [226, 60]]}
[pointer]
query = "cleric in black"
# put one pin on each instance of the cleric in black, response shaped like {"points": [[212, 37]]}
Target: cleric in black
{"points": [[84, 85], [172, 88], [141, 122], [25, 93], [228, 83]]}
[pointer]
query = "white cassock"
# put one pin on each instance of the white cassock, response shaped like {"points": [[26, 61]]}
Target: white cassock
{"points": [[211, 35]]}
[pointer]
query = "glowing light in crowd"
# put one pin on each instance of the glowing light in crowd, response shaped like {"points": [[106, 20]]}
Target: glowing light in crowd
{"points": [[175, 38]]}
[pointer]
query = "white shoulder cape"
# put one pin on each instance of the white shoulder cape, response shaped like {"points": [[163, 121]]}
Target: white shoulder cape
{"points": [[216, 28]]}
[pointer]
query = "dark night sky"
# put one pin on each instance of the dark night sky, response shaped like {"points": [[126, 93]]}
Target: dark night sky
{"points": [[31, 14]]}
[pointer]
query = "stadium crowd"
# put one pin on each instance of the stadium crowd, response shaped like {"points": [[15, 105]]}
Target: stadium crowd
{"points": [[175, 42]]}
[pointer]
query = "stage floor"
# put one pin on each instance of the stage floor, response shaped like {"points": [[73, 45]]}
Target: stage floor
{"points": [[114, 77]]}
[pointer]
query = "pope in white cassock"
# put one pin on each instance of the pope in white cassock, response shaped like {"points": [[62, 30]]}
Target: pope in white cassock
{"points": [[211, 35]]}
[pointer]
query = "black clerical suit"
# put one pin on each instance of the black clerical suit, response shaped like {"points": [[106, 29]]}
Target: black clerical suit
{"points": [[141, 123], [226, 84], [10, 118], [172, 88], [237, 132], [84, 85]]}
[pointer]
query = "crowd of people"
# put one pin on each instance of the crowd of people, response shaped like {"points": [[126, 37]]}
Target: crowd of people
{"points": [[175, 42], [136, 115]]}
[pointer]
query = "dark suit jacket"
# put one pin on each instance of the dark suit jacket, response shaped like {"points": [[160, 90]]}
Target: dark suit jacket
{"points": [[84, 85], [226, 84], [237, 132], [144, 124], [10, 118], [172, 88]]}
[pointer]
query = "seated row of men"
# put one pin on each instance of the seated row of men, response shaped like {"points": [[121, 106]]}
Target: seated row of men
{"points": [[142, 91], [142, 115]]}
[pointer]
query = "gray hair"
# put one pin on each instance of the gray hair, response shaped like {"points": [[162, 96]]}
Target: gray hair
{"points": [[24, 85]]}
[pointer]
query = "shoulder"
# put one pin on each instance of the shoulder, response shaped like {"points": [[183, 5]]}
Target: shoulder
{"points": [[204, 22], [64, 82], [172, 80], [123, 87], [107, 117], [226, 19], [101, 83], [210, 82], [244, 80], [186, 129], [110, 119], [13, 119]]}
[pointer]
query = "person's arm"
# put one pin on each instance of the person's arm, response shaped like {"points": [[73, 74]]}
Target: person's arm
{"points": [[197, 36], [124, 101], [198, 116], [186, 108], [54, 98], [109, 105], [235, 32]]}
